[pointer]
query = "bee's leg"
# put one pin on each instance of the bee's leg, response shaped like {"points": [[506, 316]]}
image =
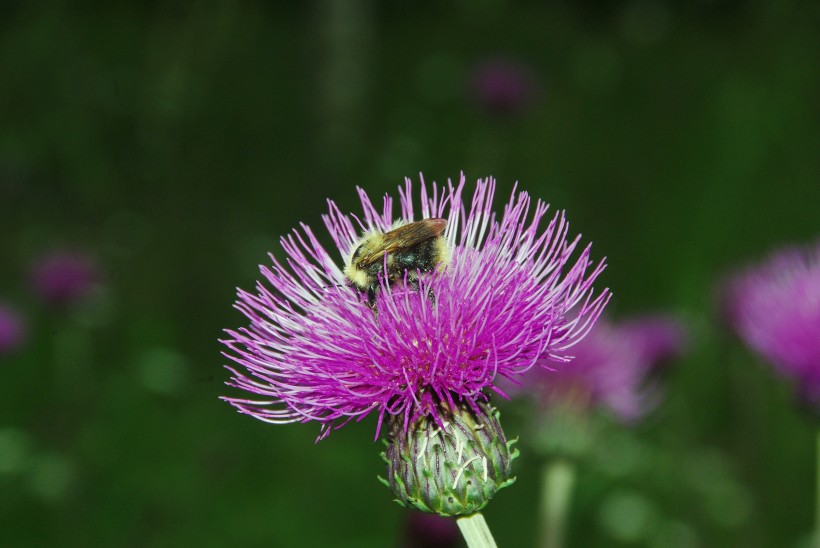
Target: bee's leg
{"points": [[371, 295], [430, 294], [412, 280]]}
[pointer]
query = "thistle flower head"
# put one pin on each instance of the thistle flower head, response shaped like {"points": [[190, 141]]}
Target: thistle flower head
{"points": [[659, 338], [65, 276], [515, 294], [502, 86], [775, 307], [611, 367]]}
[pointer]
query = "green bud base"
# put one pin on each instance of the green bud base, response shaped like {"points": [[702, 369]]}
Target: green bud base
{"points": [[449, 471]]}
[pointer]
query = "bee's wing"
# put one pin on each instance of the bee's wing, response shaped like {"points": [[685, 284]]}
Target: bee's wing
{"points": [[406, 236]]}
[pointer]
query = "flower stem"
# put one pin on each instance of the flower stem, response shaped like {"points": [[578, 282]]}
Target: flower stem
{"points": [[557, 480], [475, 531]]}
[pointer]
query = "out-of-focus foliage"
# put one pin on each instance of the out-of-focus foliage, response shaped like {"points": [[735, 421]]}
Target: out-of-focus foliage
{"points": [[177, 141]]}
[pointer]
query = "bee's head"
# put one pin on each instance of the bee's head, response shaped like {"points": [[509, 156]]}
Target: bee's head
{"points": [[357, 271], [370, 245]]}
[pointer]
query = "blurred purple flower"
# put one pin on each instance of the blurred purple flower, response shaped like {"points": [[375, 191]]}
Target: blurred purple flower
{"points": [[423, 530], [659, 338], [502, 86], [611, 367], [12, 329], [510, 299], [775, 307], [61, 277]]}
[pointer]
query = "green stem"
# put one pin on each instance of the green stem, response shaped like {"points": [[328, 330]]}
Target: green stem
{"points": [[475, 531], [557, 480]]}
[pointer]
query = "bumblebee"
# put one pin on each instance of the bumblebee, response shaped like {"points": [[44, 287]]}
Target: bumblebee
{"points": [[407, 249]]}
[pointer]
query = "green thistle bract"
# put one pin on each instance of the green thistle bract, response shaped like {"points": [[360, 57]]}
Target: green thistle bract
{"points": [[450, 471]]}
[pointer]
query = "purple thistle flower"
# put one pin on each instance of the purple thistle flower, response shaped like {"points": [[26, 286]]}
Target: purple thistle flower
{"points": [[63, 276], [659, 338], [12, 330], [502, 86], [510, 299], [775, 307], [611, 367]]}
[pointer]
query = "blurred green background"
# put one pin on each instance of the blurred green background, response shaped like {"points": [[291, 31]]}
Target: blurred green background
{"points": [[177, 141]]}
